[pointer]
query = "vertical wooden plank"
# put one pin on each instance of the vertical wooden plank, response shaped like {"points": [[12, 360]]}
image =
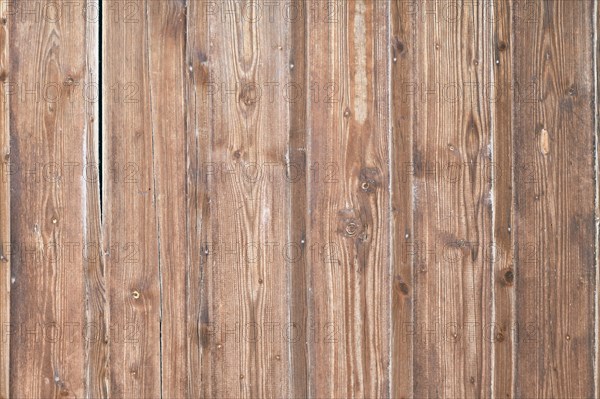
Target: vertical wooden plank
{"points": [[167, 23], [349, 199], [247, 311], [503, 329], [97, 332], [452, 203], [4, 210], [402, 47], [554, 201], [296, 170], [597, 197], [129, 204], [48, 123], [198, 150]]}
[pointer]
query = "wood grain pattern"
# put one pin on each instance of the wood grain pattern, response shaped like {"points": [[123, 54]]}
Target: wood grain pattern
{"points": [[166, 21], [130, 220], [247, 202], [200, 276], [554, 202], [298, 277], [5, 270], [596, 49], [47, 131], [503, 275], [98, 333], [299, 199], [349, 201], [452, 208], [404, 72]]}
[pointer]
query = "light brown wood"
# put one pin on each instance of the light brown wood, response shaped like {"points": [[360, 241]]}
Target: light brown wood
{"points": [[244, 267], [166, 22], [349, 200], [503, 324], [4, 213], [596, 50], [130, 220], [453, 214], [98, 332], [296, 172], [47, 140], [303, 199], [404, 72], [554, 202], [198, 230]]}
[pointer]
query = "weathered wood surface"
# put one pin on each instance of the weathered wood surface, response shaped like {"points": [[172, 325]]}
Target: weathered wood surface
{"points": [[299, 198], [129, 197], [503, 332], [348, 201], [555, 225], [5, 257], [48, 211], [403, 74], [243, 188], [452, 208]]}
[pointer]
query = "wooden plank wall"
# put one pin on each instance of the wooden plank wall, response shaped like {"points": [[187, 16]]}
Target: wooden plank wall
{"points": [[299, 198]]}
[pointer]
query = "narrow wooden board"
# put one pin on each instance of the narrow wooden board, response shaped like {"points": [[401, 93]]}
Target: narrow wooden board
{"points": [[48, 207], [349, 200], [296, 172], [4, 211], [168, 73], [96, 306], [129, 198], [554, 200], [403, 106], [245, 310], [597, 196], [500, 97], [452, 197], [198, 230]]}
